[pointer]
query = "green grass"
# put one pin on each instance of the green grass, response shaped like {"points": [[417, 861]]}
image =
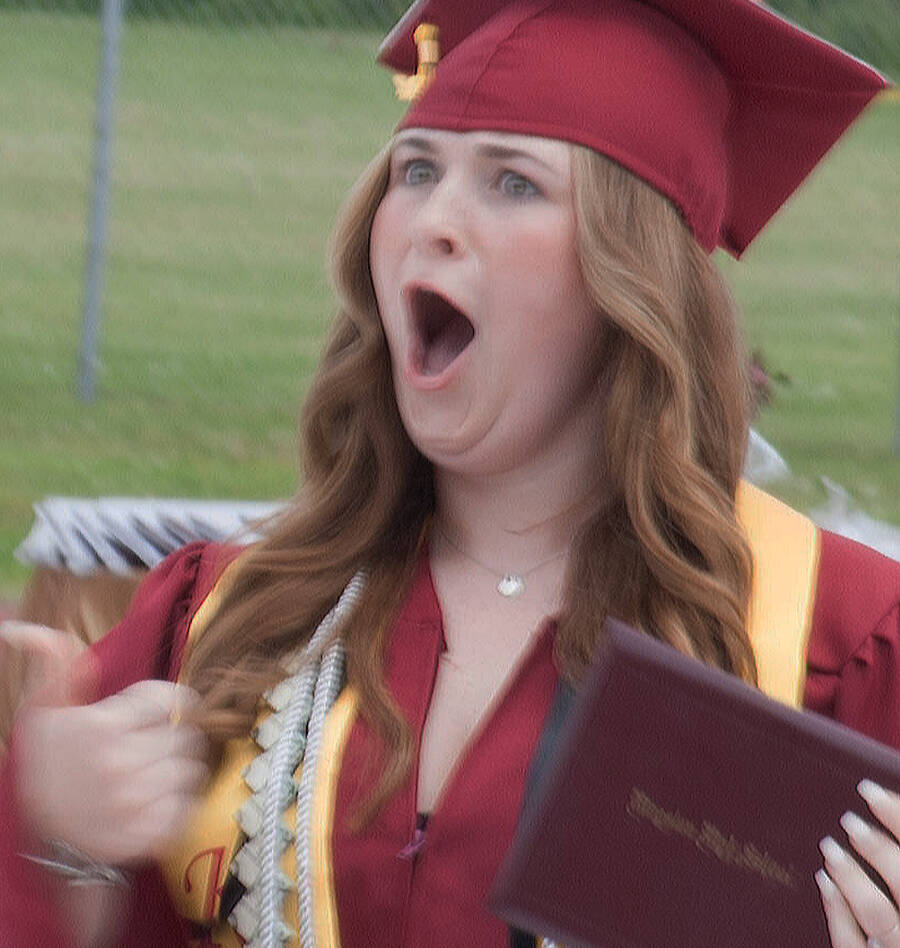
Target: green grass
{"points": [[232, 152], [869, 29], [233, 149], [820, 292]]}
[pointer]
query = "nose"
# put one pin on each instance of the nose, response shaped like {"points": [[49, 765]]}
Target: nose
{"points": [[440, 226]]}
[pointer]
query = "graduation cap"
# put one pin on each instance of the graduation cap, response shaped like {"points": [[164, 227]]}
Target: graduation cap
{"points": [[722, 105]]}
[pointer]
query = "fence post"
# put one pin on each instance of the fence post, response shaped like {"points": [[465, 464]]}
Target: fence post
{"points": [[897, 433], [92, 299]]}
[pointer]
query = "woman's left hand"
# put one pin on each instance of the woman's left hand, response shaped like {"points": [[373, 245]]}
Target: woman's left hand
{"points": [[859, 914]]}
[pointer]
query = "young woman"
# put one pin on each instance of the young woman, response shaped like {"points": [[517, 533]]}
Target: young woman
{"points": [[531, 414]]}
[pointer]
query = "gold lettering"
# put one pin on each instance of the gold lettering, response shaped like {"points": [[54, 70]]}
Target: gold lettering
{"points": [[710, 839], [763, 863], [640, 806]]}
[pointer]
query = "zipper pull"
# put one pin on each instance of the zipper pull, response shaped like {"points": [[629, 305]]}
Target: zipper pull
{"points": [[414, 846]]}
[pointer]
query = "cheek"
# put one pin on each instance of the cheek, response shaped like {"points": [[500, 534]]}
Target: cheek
{"points": [[561, 335], [544, 257], [384, 257], [544, 278], [379, 244], [388, 237]]}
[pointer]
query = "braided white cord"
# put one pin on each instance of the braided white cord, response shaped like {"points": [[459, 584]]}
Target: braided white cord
{"points": [[327, 689], [280, 780], [275, 799]]}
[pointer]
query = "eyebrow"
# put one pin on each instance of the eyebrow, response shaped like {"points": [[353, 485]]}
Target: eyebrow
{"points": [[413, 141], [505, 153], [502, 152]]}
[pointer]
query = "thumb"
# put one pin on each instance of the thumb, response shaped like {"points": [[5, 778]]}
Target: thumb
{"points": [[60, 670]]}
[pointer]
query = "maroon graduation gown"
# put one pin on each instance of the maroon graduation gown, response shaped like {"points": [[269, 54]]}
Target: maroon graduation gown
{"points": [[434, 895]]}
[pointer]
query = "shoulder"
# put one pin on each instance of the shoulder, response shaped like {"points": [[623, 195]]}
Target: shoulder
{"points": [[149, 641], [847, 591], [825, 613], [857, 596], [853, 655]]}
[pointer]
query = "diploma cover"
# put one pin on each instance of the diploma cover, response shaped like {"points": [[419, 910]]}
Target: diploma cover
{"points": [[682, 808]]}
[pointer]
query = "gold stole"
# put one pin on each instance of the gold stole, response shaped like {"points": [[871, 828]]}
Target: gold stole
{"points": [[785, 547], [196, 866]]}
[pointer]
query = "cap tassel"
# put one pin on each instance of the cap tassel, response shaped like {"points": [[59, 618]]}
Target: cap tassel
{"points": [[409, 88]]}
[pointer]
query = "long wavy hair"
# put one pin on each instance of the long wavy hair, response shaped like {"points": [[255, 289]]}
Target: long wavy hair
{"points": [[663, 551]]}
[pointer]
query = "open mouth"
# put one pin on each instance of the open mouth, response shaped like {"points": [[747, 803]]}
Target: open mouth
{"points": [[442, 332]]}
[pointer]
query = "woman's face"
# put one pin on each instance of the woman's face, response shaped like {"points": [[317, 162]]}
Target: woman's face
{"points": [[492, 338]]}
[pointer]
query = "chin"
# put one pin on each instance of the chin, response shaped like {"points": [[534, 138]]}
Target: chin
{"points": [[436, 438], [440, 451], [469, 461]]}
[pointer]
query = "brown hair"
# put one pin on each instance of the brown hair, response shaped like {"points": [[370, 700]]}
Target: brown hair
{"points": [[664, 551]]}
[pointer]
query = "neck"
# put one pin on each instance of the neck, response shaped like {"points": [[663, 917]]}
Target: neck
{"points": [[516, 519]]}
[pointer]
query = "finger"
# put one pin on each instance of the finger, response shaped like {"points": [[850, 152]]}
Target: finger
{"points": [[137, 750], [180, 777], [883, 803], [150, 703], [889, 939], [161, 821], [842, 927], [877, 848], [175, 698], [147, 833], [56, 674], [873, 910], [30, 636], [166, 778]]}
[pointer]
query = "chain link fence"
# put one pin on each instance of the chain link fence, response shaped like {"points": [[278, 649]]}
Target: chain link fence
{"points": [[237, 129], [316, 14], [208, 140], [869, 29], [238, 126], [249, 39]]}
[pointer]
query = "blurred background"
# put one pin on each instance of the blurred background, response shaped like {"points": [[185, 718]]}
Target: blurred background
{"points": [[238, 127]]}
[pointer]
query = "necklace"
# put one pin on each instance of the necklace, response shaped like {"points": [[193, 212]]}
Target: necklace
{"points": [[511, 583]]}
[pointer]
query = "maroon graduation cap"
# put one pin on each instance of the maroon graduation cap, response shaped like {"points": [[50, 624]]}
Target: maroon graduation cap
{"points": [[722, 105]]}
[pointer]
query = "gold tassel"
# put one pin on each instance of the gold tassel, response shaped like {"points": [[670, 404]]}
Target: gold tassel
{"points": [[409, 88]]}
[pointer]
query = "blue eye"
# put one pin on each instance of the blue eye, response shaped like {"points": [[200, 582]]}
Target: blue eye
{"points": [[418, 171], [517, 185]]}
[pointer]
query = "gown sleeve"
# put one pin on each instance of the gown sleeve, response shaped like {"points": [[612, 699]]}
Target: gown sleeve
{"points": [[853, 656], [148, 643]]}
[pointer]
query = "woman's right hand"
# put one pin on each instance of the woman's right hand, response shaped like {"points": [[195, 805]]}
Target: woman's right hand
{"points": [[116, 779]]}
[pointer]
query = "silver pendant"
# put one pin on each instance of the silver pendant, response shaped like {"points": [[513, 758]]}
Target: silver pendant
{"points": [[511, 585]]}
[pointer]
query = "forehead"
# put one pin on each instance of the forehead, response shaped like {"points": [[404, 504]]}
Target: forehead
{"points": [[549, 151]]}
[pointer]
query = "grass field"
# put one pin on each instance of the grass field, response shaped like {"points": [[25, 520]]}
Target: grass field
{"points": [[232, 152]]}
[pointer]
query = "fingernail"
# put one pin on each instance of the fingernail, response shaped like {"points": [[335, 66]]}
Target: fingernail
{"points": [[871, 943], [871, 792], [826, 886], [856, 828], [831, 851]]}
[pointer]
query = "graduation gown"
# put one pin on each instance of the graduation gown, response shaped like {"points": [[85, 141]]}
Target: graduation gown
{"points": [[392, 885]]}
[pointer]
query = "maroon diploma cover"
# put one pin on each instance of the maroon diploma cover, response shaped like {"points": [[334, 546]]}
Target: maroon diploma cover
{"points": [[682, 809]]}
